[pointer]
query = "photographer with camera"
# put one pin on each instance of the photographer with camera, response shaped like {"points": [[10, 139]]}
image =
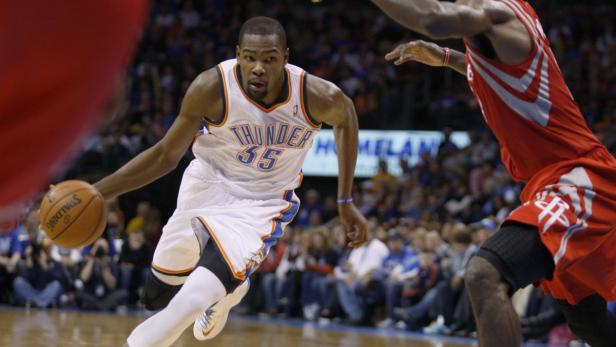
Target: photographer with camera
{"points": [[38, 280], [98, 280]]}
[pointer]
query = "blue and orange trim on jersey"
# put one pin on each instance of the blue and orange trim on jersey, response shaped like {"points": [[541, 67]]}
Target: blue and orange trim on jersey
{"points": [[284, 217], [225, 97], [303, 97], [199, 133]]}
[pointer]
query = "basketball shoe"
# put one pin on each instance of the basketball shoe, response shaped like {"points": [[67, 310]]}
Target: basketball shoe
{"points": [[211, 322]]}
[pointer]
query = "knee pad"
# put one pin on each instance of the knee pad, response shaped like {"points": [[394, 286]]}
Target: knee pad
{"points": [[519, 256], [156, 293], [213, 260]]}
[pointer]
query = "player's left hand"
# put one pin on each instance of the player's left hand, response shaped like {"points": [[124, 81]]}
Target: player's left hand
{"points": [[427, 53], [354, 222]]}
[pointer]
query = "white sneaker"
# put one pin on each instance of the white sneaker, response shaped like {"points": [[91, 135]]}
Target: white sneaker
{"points": [[437, 327], [311, 311], [386, 323], [211, 322]]}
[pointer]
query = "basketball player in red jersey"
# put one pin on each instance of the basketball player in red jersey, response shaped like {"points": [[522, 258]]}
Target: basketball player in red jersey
{"points": [[59, 63], [563, 235]]}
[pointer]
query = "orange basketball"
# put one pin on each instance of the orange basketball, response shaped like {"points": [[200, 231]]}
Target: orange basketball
{"points": [[73, 214]]}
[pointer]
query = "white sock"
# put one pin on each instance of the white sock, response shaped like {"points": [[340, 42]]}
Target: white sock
{"points": [[201, 290]]}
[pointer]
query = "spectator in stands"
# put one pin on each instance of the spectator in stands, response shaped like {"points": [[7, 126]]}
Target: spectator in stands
{"points": [[481, 231], [357, 272], [283, 288], [417, 239], [434, 242], [320, 262], [418, 295], [330, 208], [328, 302], [69, 259], [452, 308], [447, 147], [113, 207], [383, 180], [137, 222], [310, 206], [134, 262], [10, 253], [399, 265], [98, 280], [39, 279], [29, 233], [486, 150], [189, 16]]}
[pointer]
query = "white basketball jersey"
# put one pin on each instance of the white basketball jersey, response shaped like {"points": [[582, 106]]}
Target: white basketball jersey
{"points": [[257, 151]]}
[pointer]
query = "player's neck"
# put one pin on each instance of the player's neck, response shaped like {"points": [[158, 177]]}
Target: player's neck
{"points": [[281, 91]]}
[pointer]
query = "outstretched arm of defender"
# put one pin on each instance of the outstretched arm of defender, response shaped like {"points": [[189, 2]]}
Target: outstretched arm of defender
{"points": [[164, 156], [428, 53], [441, 20], [328, 104]]}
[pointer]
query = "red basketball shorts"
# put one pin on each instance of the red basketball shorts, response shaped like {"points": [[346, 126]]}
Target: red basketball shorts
{"points": [[575, 214]]}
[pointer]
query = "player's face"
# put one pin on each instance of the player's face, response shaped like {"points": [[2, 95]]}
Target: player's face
{"points": [[262, 60]]}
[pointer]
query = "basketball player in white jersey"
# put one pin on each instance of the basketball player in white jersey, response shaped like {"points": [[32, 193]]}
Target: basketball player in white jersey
{"points": [[256, 117]]}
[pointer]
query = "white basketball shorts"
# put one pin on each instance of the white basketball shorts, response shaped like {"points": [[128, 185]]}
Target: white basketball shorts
{"points": [[242, 229]]}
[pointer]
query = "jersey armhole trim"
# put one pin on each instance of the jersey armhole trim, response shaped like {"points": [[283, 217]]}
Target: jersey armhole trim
{"points": [[303, 91], [224, 95]]}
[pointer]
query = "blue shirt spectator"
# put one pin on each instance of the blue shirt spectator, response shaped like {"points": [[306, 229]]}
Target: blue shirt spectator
{"points": [[10, 251], [99, 280]]}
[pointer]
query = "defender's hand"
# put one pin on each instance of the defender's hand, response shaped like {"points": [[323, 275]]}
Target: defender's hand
{"points": [[420, 51], [354, 222]]}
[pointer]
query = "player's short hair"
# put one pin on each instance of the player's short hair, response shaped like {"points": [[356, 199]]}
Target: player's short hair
{"points": [[264, 26]]}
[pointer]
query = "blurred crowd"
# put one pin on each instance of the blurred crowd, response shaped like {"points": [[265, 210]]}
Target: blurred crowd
{"points": [[106, 275], [424, 224], [345, 41]]}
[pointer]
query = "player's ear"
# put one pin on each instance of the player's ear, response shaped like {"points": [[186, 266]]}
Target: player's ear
{"points": [[237, 51], [286, 55]]}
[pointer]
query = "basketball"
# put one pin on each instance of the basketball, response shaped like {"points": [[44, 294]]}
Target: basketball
{"points": [[73, 214]]}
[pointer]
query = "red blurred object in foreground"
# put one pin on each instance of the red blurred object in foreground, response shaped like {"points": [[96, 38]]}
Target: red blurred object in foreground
{"points": [[59, 64]]}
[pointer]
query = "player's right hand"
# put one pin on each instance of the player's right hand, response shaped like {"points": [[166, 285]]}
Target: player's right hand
{"points": [[354, 222], [420, 51]]}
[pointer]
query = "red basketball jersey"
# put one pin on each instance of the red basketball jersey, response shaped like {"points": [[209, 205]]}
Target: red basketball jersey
{"points": [[570, 192], [528, 106]]}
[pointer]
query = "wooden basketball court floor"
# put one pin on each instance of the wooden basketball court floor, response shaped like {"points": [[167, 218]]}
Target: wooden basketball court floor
{"points": [[54, 328]]}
